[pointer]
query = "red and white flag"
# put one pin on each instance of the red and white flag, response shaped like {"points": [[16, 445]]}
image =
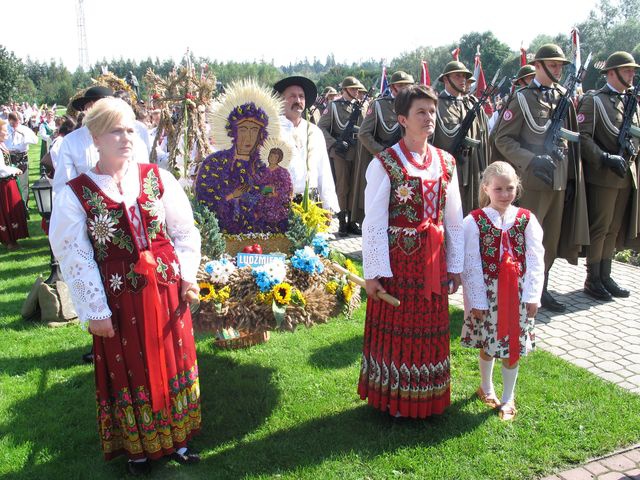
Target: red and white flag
{"points": [[523, 57], [456, 54], [425, 79], [481, 84]]}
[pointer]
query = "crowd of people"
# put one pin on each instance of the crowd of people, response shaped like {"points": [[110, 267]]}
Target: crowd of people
{"points": [[488, 208]]}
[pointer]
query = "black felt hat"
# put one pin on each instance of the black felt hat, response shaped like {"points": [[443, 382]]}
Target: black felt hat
{"points": [[310, 89], [91, 95]]}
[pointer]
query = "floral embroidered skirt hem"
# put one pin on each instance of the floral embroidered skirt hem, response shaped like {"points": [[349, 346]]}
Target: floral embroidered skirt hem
{"points": [[127, 423], [13, 219], [484, 333], [405, 359]]}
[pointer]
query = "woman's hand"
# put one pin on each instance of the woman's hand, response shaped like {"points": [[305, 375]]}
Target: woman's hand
{"points": [[454, 282], [532, 309], [479, 314], [373, 287], [189, 292], [101, 328]]}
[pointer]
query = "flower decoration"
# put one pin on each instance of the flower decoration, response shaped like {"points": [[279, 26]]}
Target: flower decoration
{"points": [[331, 286], [276, 143], [102, 228], [347, 291], [222, 295], [320, 245], [269, 275], [305, 259], [404, 192], [207, 291], [220, 270], [297, 298], [282, 293], [349, 265]]}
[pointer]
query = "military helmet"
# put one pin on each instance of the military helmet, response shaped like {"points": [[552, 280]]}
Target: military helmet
{"points": [[351, 82], [329, 91], [619, 60], [524, 71], [454, 67], [401, 77], [550, 52]]}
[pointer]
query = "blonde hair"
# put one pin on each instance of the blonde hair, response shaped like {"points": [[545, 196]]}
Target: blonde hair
{"points": [[497, 169], [106, 113]]}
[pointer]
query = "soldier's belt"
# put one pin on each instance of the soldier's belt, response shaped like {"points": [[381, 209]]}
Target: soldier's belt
{"points": [[569, 135]]}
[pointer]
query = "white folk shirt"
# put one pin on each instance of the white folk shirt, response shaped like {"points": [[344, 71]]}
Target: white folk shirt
{"points": [[375, 240], [71, 245], [78, 155], [320, 175], [473, 285], [20, 138]]}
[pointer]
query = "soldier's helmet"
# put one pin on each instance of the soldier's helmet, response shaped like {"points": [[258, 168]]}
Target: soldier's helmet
{"points": [[400, 77], [455, 67], [550, 52], [351, 82], [329, 91], [524, 71], [619, 60]]}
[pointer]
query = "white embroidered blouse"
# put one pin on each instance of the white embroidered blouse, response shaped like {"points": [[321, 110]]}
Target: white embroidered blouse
{"points": [[71, 245], [473, 285], [375, 242]]}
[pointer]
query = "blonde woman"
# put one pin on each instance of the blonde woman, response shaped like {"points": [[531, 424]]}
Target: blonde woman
{"points": [[124, 235]]}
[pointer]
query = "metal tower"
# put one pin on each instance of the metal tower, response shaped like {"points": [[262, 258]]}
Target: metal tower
{"points": [[83, 52]]}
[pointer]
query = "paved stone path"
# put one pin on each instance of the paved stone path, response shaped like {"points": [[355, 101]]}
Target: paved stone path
{"points": [[604, 338]]}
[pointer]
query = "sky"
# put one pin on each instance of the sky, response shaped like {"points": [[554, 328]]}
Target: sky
{"points": [[282, 31]]}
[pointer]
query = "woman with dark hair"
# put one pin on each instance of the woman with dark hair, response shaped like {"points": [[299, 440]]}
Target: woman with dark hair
{"points": [[412, 248]]}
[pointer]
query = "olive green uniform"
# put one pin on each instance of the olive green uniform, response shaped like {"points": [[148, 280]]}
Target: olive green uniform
{"points": [[519, 137], [332, 123], [613, 201], [473, 157], [378, 131]]}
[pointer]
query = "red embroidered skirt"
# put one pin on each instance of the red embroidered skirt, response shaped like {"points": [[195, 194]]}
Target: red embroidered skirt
{"points": [[13, 219], [126, 421], [405, 356]]}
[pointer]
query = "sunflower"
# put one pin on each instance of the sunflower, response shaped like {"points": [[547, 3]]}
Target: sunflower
{"points": [[349, 265], [207, 291], [331, 287], [297, 298], [347, 291], [282, 293]]}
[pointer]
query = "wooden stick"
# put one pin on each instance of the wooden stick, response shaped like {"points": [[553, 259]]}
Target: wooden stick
{"points": [[391, 300]]}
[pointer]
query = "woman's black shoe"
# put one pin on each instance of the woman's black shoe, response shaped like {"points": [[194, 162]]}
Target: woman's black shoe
{"points": [[138, 469], [187, 458]]}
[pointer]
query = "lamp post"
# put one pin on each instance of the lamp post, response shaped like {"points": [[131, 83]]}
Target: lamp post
{"points": [[43, 194]]}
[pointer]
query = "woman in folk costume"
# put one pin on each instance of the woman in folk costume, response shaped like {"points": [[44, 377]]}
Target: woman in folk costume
{"points": [[13, 219], [125, 238], [502, 282], [413, 249]]}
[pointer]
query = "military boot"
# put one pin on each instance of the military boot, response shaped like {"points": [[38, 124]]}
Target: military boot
{"points": [[342, 226], [609, 283], [593, 284], [352, 227], [548, 301]]}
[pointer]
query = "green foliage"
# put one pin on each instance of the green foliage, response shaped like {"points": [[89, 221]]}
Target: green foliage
{"points": [[213, 243], [11, 74], [299, 234]]}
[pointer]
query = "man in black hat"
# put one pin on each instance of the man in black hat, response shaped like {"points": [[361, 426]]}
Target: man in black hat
{"points": [[77, 153], [306, 140]]}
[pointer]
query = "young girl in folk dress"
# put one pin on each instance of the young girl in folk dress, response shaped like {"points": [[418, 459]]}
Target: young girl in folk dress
{"points": [[413, 248], [502, 282]]}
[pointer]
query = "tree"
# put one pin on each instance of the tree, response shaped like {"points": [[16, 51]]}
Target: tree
{"points": [[493, 52], [11, 75]]}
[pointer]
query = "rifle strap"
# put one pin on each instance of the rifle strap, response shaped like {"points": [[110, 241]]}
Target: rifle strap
{"points": [[528, 117]]}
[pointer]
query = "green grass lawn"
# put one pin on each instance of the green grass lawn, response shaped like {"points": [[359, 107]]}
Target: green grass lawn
{"points": [[289, 408]]}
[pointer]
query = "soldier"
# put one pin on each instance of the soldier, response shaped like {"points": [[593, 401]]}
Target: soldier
{"points": [[341, 137], [522, 79], [612, 179], [322, 103], [553, 189], [524, 76], [453, 105], [379, 131]]}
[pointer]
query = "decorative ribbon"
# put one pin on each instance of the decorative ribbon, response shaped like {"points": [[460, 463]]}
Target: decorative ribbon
{"points": [[434, 239], [153, 337], [509, 305]]}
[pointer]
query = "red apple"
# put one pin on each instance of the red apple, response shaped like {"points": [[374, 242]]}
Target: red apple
{"points": [[257, 248], [248, 249]]}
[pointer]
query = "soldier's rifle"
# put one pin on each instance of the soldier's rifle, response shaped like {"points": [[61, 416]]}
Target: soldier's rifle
{"points": [[556, 132], [461, 141], [318, 104], [627, 129], [347, 138]]}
